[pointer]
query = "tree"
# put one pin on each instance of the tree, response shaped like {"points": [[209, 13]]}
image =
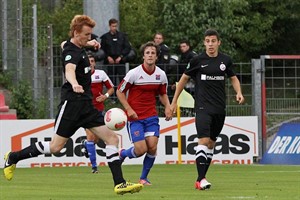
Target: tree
{"points": [[139, 20]]}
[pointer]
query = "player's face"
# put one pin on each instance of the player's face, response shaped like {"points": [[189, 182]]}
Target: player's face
{"points": [[92, 63], [150, 56], [84, 36], [212, 44]]}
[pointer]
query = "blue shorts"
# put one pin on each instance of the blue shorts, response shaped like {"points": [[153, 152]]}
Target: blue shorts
{"points": [[140, 129]]}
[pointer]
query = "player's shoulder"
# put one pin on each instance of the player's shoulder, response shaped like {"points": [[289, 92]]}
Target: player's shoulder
{"points": [[100, 72], [223, 55]]}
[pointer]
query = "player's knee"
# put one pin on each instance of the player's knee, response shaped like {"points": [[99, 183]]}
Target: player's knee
{"points": [[55, 148]]}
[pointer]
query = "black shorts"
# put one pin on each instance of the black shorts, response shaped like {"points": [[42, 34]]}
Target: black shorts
{"points": [[209, 125], [75, 114]]}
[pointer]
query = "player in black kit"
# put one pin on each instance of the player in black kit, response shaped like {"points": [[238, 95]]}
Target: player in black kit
{"points": [[209, 70], [76, 108]]}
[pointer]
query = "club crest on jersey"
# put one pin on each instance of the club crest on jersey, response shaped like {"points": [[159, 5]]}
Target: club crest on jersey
{"points": [[157, 77], [222, 67], [68, 57], [97, 77]]}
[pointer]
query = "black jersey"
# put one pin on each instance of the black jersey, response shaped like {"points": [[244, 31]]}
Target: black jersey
{"points": [[77, 56], [209, 74]]}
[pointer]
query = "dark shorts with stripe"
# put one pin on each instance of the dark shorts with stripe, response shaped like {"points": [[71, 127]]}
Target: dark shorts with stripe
{"points": [[209, 125], [75, 114]]}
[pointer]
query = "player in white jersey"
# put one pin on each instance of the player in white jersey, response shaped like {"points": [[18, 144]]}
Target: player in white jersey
{"points": [[143, 84], [99, 81]]}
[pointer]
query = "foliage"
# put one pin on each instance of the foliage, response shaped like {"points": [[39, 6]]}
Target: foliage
{"points": [[139, 19], [6, 79], [62, 16], [22, 100], [248, 28]]}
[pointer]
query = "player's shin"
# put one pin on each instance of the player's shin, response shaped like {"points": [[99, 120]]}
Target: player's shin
{"points": [[31, 151], [201, 160], [114, 164]]}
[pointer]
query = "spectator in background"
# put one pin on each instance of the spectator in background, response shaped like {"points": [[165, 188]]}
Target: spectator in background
{"points": [[163, 59], [117, 49], [186, 55], [99, 80]]}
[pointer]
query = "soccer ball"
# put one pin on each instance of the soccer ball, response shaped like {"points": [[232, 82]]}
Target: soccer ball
{"points": [[115, 119]]}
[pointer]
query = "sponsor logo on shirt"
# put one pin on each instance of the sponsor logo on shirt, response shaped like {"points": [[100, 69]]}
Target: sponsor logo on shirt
{"points": [[204, 66], [205, 77], [141, 77], [122, 86]]}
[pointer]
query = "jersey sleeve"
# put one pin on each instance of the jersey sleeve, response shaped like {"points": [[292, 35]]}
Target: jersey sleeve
{"points": [[164, 84], [229, 69], [69, 56], [191, 67], [127, 81], [106, 80]]}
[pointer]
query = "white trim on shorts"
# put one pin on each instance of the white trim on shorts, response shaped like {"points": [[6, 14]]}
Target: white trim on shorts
{"points": [[61, 112]]}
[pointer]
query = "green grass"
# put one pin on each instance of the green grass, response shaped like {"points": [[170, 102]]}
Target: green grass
{"points": [[169, 182]]}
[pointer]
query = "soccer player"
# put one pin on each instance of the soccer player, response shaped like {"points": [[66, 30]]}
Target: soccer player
{"points": [[143, 84], [208, 70], [99, 80], [76, 109]]}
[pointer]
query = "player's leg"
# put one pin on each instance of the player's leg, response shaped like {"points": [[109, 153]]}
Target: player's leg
{"points": [[65, 127], [203, 124], [149, 159], [33, 150], [111, 139], [216, 128], [151, 136], [91, 149], [136, 132]]}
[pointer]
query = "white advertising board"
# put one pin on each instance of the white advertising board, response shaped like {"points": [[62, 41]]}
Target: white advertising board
{"points": [[237, 143]]}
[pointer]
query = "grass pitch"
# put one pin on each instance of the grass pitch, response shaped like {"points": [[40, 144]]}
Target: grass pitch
{"points": [[169, 182]]}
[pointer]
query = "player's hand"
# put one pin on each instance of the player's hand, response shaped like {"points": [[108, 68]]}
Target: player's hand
{"points": [[173, 108], [94, 43], [132, 114], [168, 113], [240, 98], [77, 88], [101, 98]]}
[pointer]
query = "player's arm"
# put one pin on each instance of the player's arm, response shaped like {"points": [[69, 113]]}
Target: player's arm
{"points": [[164, 99], [93, 43], [105, 96], [71, 78], [179, 87], [237, 87], [123, 100]]}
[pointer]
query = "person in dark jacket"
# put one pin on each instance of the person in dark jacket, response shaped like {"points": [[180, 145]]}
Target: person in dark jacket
{"points": [[117, 48], [163, 59]]}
